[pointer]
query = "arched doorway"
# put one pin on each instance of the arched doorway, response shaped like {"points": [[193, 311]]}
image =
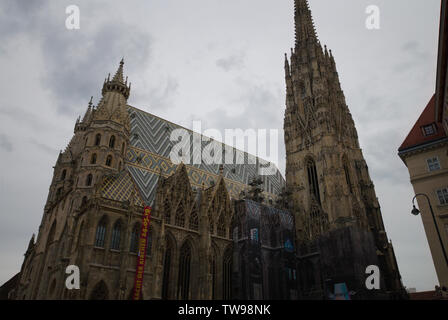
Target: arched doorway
{"points": [[100, 292]]}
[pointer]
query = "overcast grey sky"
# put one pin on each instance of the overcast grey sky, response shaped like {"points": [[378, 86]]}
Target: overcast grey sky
{"points": [[216, 61]]}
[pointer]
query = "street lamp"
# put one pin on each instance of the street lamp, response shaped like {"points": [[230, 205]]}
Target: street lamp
{"points": [[415, 212]]}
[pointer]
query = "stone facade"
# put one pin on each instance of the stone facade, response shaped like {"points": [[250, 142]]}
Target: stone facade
{"points": [[326, 172], [93, 213], [217, 231]]}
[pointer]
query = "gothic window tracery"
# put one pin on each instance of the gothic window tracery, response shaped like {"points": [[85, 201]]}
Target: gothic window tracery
{"points": [[134, 239], [227, 275], [317, 222], [183, 286], [167, 212], [100, 234], [116, 236], [221, 226], [194, 223], [166, 270], [313, 180], [180, 217]]}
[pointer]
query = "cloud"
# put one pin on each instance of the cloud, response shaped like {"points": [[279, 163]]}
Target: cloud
{"points": [[233, 62], [160, 95], [76, 61], [5, 143], [51, 151], [413, 55]]}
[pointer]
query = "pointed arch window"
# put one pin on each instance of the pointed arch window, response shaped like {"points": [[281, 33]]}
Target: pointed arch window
{"points": [[183, 285], [109, 161], [116, 236], [213, 272], [166, 270], [122, 147], [227, 275], [93, 159], [89, 180], [64, 174], [112, 142], [100, 234], [313, 182], [318, 222], [98, 139], [194, 221], [135, 238], [221, 226], [180, 217]]}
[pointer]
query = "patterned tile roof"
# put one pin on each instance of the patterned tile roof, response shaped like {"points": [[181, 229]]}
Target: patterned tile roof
{"points": [[121, 188], [148, 156]]}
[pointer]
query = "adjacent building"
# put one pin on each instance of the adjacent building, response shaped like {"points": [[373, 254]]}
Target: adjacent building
{"points": [[425, 153]]}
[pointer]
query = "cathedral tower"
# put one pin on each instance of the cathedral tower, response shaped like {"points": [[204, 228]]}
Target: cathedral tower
{"points": [[325, 169], [95, 152]]}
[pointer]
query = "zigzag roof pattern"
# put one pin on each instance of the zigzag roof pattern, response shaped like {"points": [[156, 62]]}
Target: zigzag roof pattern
{"points": [[148, 157]]}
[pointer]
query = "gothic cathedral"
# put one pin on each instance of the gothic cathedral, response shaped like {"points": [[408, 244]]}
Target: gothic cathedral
{"points": [[216, 231]]}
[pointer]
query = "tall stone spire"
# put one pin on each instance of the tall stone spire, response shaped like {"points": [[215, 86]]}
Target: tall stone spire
{"points": [[304, 25], [119, 74], [117, 84]]}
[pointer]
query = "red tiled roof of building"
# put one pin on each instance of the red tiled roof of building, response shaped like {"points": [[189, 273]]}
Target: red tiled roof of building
{"points": [[416, 136]]}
